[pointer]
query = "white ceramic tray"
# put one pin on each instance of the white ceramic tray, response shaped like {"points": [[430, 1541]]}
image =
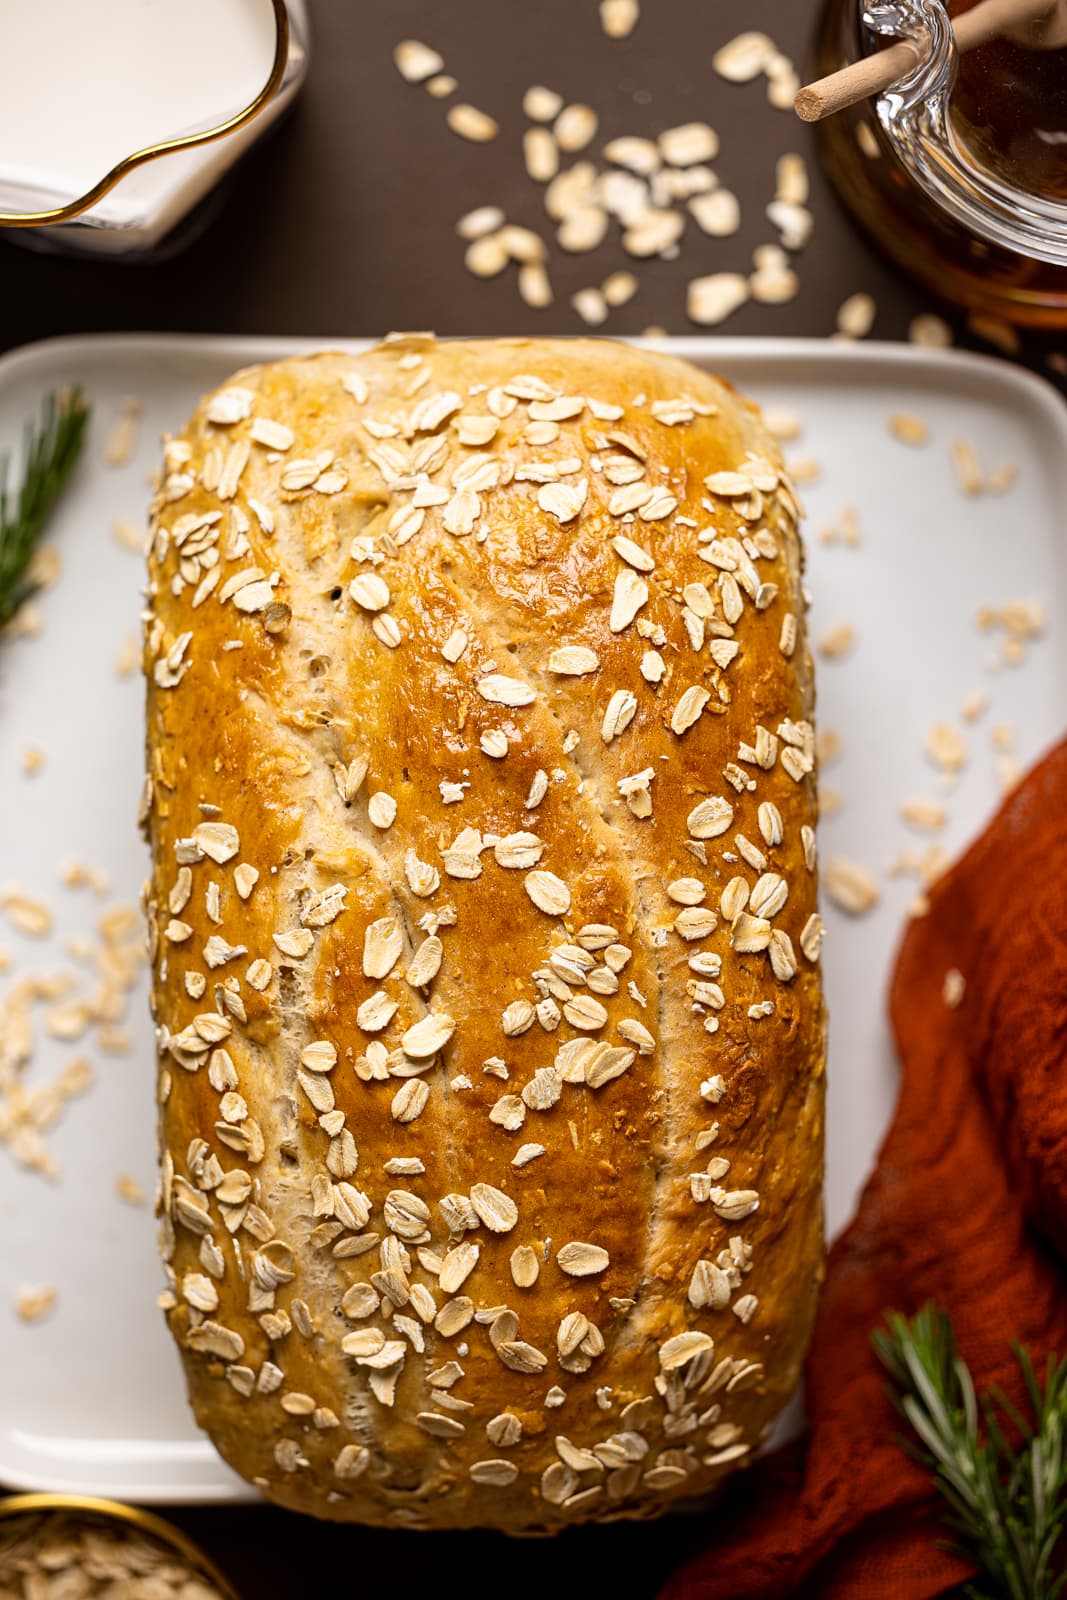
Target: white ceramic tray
{"points": [[91, 1398]]}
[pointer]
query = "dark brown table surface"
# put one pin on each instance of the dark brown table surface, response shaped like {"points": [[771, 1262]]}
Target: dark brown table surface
{"points": [[343, 223]]}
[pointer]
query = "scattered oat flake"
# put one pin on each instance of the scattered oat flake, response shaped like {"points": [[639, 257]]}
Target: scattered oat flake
{"points": [[482, 220], [415, 61], [933, 863], [1021, 619], [908, 428], [952, 989], [575, 127], [590, 305], [128, 657], [851, 887], [848, 528], [29, 916], [837, 641], [619, 18], [791, 179], [521, 244], [541, 154], [1007, 771], [653, 232], [45, 567], [717, 213], [122, 440], [486, 256], [932, 332], [541, 104], [33, 759], [744, 57], [945, 747], [640, 156], [618, 288], [27, 623], [712, 299], [795, 223], [688, 145], [582, 228], [968, 469], [773, 284], [855, 316], [129, 1190], [33, 1304], [828, 745], [129, 535], [786, 426], [470, 123], [783, 83], [925, 815]]}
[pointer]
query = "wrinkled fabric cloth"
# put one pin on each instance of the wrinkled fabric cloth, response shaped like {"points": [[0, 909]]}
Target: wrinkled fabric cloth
{"points": [[967, 1205]]}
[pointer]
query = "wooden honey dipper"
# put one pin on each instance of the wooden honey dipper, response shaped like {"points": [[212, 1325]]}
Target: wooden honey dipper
{"points": [[1038, 24]]}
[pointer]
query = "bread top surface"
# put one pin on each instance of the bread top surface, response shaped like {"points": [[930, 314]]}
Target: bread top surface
{"points": [[481, 797]]}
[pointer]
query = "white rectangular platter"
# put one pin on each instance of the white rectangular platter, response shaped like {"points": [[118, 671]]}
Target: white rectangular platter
{"points": [[91, 1396]]}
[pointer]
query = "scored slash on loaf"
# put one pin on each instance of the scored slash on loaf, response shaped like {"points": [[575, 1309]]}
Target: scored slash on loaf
{"points": [[483, 926]]}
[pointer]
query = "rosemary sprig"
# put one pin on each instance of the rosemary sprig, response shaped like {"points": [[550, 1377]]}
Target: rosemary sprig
{"points": [[1007, 1501], [52, 446]]}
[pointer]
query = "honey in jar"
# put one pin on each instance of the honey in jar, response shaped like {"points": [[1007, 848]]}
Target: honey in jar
{"points": [[959, 171], [1009, 108]]}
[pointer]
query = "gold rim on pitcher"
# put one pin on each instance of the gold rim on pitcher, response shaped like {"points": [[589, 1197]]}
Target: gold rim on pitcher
{"points": [[75, 208]]}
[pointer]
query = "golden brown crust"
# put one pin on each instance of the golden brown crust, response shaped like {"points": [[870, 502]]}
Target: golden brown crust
{"points": [[482, 1272]]}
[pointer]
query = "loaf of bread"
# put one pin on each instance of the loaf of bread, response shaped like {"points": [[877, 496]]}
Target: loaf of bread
{"points": [[485, 951]]}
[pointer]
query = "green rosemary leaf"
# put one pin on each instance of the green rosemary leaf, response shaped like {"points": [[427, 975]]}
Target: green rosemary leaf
{"points": [[1002, 1474], [52, 447]]}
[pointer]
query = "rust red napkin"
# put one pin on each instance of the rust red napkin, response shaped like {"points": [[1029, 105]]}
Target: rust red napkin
{"points": [[967, 1205]]}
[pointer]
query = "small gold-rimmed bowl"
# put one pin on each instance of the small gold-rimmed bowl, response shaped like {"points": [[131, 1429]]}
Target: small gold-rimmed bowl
{"points": [[114, 1514]]}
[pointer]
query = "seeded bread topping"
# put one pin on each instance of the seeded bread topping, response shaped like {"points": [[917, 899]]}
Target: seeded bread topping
{"points": [[484, 935]]}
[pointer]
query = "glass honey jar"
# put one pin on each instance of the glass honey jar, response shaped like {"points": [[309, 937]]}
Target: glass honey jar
{"points": [[958, 170]]}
